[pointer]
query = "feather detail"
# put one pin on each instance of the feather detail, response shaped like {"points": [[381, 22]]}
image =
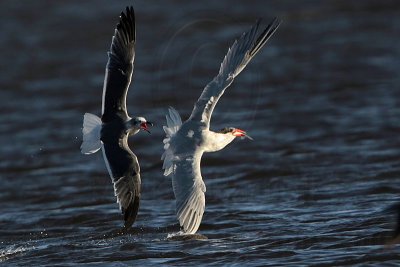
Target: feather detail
{"points": [[174, 123]]}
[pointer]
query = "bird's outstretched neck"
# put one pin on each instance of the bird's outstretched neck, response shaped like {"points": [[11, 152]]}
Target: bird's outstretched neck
{"points": [[213, 141]]}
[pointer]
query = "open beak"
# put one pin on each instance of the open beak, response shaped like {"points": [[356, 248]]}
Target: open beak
{"points": [[241, 133], [145, 126]]}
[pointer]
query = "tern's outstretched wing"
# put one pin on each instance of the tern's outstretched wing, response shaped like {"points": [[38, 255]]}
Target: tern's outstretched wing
{"points": [[120, 66], [189, 192], [182, 163], [238, 56], [124, 170]]}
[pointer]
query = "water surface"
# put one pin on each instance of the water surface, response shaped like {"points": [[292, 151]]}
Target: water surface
{"points": [[322, 102]]}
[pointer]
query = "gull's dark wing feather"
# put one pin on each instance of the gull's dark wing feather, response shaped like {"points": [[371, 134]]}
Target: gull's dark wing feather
{"points": [[119, 66], [124, 171]]}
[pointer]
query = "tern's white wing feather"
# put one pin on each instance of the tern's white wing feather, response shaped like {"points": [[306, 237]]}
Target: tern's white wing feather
{"points": [[236, 59], [174, 123], [189, 192], [182, 163]]}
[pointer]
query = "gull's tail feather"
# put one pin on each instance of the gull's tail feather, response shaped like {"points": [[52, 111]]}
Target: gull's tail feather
{"points": [[174, 123], [91, 142]]}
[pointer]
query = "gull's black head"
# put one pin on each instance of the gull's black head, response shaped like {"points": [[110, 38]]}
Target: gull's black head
{"points": [[140, 123]]}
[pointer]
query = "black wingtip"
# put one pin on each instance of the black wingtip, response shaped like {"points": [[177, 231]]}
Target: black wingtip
{"points": [[265, 35], [129, 11], [127, 23], [130, 213]]}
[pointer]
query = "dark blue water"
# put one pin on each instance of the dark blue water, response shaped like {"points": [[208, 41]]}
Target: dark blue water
{"points": [[322, 101]]}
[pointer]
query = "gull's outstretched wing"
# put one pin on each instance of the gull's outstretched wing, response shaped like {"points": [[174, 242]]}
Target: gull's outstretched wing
{"points": [[124, 169], [189, 191], [119, 66], [238, 56]]}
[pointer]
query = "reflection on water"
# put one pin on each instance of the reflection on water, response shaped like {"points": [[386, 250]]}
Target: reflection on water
{"points": [[321, 101]]}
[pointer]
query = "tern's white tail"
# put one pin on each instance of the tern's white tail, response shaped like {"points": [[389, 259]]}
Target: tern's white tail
{"points": [[174, 123], [91, 134]]}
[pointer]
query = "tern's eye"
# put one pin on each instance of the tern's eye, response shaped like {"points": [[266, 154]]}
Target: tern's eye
{"points": [[225, 130]]}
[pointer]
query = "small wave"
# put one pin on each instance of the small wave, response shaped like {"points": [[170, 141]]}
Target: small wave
{"points": [[181, 236], [11, 251]]}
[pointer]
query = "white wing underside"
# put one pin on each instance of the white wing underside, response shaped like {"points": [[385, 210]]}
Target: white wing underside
{"points": [[174, 123], [187, 182], [235, 60], [189, 190]]}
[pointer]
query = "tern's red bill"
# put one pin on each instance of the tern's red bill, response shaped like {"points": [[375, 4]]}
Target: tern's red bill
{"points": [[240, 133]]}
